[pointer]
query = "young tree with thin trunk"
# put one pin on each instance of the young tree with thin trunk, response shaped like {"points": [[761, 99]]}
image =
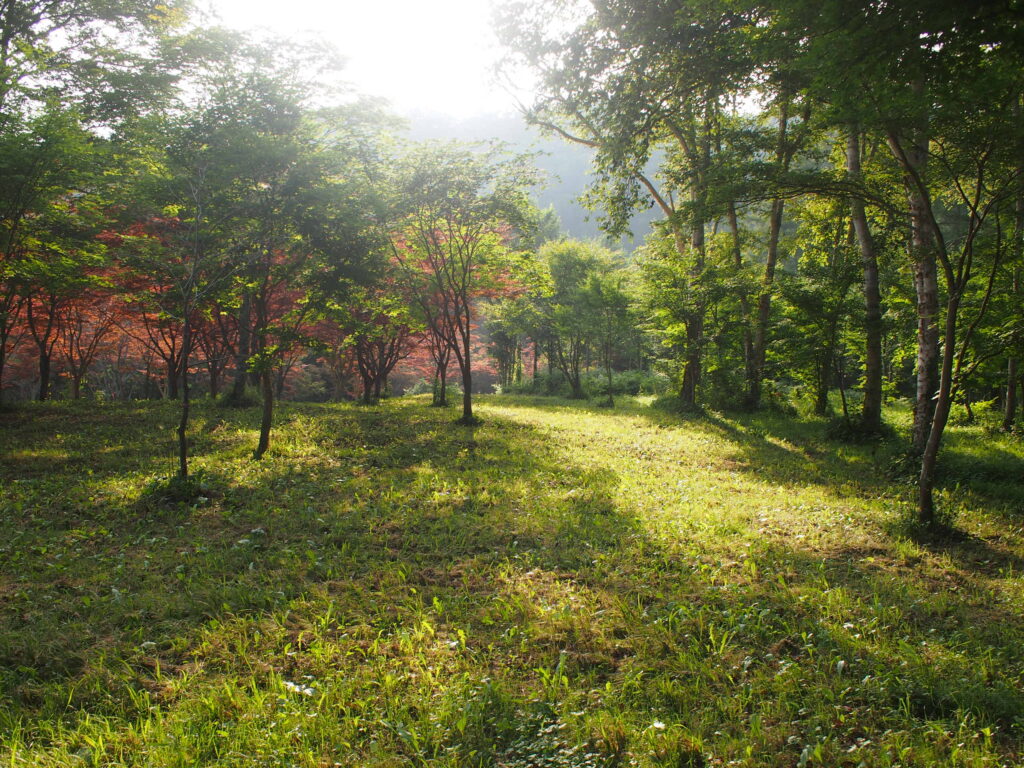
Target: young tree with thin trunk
{"points": [[454, 244]]}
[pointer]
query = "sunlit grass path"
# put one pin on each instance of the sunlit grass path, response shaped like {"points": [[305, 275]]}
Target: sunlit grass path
{"points": [[563, 585]]}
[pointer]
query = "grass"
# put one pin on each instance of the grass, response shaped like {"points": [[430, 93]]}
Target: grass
{"points": [[562, 585]]}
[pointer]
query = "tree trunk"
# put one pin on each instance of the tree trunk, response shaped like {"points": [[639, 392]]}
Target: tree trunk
{"points": [[186, 341], [267, 389], [923, 244], [764, 304], [929, 458], [841, 378], [692, 369], [242, 354], [76, 387], [467, 394], [441, 384], [871, 410], [821, 406], [748, 341], [466, 367], [608, 367], [1010, 411], [172, 379], [694, 327], [44, 375]]}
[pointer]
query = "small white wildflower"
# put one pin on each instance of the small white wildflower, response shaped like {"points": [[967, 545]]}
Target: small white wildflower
{"points": [[305, 690], [658, 725]]}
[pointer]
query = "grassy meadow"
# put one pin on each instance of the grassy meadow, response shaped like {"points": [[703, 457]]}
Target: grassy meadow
{"points": [[564, 585]]}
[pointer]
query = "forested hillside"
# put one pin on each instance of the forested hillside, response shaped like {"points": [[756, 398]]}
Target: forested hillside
{"points": [[566, 170]]}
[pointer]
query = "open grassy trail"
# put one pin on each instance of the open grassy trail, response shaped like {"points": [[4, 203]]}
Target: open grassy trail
{"points": [[561, 586]]}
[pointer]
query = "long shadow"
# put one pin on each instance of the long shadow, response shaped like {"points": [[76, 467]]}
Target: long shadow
{"points": [[395, 497], [396, 515], [791, 451]]}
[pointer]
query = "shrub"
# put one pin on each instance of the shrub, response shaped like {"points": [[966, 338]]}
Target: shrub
{"points": [[595, 383]]}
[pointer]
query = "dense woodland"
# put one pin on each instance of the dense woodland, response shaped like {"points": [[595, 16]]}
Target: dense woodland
{"points": [[833, 279]]}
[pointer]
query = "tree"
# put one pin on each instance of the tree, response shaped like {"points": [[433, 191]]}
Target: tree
{"points": [[648, 87], [607, 305], [461, 206]]}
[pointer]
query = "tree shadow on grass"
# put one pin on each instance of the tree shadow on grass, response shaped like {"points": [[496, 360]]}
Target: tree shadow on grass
{"points": [[769, 446], [397, 497], [397, 530], [991, 474], [791, 451]]}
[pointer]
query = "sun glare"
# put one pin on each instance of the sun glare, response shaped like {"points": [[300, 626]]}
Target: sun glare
{"points": [[421, 56]]}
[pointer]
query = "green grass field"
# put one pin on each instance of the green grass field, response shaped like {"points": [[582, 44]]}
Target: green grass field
{"points": [[562, 586]]}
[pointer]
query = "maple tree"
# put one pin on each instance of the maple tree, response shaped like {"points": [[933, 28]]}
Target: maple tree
{"points": [[455, 242]]}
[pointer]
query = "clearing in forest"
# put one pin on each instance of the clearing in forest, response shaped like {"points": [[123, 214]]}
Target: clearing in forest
{"points": [[563, 585]]}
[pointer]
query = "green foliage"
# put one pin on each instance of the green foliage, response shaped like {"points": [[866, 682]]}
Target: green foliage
{"points": [[595, 383]]}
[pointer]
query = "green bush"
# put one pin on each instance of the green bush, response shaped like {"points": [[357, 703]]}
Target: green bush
{"points": [[595, 383]]}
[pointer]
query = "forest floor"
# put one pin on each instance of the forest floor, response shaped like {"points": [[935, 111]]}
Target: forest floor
{"points": [[564, 585]]}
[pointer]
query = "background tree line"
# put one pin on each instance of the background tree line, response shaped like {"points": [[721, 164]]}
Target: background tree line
{"points": [[838, 185]]}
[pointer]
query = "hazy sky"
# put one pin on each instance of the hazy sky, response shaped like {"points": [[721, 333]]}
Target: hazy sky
{"points": [[421, 55]]}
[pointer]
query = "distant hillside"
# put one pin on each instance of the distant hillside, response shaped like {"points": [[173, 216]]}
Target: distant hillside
{"points": [[567, 166]]}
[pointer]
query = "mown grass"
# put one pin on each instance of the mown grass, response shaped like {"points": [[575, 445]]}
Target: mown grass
{"points": [[562, 586]]}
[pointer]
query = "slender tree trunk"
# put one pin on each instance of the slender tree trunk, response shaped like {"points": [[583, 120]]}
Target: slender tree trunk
{"points": [[608, 368], [267, 389], [243, 349], [694, 327], [748, 340], [172, 379], [943, 401], [44, 375], [841, 378], [1010, 411], [214, 382], [764, 303], [1012, 368], [76, 387], [467, 383], [871, 410], [186, 341], [441, 383], [279, 381], [784, 150], [467, 396], [824, 377], [923, 245]]}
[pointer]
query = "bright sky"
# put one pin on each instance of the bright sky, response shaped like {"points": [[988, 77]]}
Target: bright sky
{"points": [[421, 55]]}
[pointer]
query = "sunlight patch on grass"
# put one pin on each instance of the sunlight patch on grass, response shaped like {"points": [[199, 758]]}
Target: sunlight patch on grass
{"points": [[562, 585]]}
